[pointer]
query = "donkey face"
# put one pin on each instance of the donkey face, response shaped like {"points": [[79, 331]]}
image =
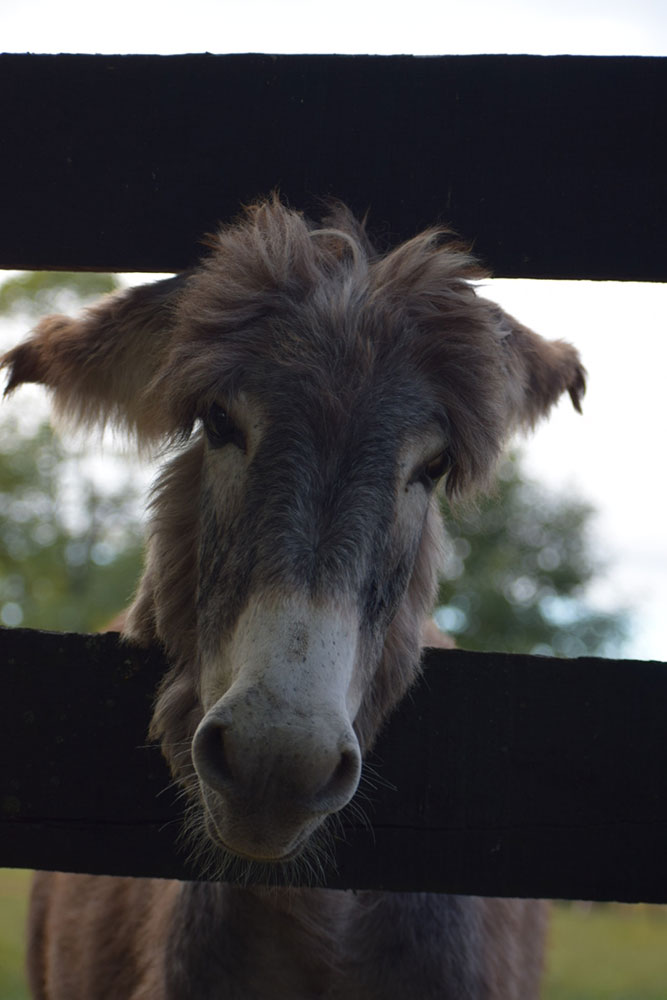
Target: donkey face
{"points": [[313, 498], [316, 394]]}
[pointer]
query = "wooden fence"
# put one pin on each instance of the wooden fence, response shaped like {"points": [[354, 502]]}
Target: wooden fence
{"points": [[506, 775]]}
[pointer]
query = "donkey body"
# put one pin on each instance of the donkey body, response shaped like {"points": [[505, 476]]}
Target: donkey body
{"points": [[315, 394]]}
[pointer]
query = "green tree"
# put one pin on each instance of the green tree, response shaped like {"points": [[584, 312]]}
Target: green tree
{"points": [[517, 572], [31, 294], [70, 550], [70, 547]]}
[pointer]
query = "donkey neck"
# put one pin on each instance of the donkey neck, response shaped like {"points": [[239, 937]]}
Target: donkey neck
{"points": [[256, 943], [303, 944]]}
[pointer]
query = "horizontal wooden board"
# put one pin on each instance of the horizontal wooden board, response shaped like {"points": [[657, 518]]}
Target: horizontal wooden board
{"points": [[499, 775], [552, 167]]}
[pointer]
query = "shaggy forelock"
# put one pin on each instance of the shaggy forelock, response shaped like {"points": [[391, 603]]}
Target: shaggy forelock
{"points": [[280, 301]]}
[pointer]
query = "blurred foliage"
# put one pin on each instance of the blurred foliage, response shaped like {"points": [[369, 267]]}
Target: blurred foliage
{"points": [[517, 571], [32, 294], [70, 549]]}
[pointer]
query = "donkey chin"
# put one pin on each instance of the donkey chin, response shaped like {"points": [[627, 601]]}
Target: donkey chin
{"points": [[256, 837], [277, 842]]}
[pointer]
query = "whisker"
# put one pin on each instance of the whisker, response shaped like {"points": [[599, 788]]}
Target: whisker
{"points": [[372, 777]]}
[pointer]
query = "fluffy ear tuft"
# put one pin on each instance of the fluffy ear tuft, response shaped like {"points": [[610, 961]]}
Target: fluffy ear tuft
{"points": [[98, 365], [539, 371], [24, 364]]}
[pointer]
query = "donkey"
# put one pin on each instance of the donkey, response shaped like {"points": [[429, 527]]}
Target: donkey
{"points": [[314, 394]]}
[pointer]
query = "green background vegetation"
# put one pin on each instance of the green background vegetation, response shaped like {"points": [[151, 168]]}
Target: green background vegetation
{"points": [[516, 579]]}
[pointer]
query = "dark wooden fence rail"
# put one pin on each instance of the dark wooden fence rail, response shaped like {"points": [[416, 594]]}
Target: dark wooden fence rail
{"points": [[505, 774], [511, 775], [555, 167]]}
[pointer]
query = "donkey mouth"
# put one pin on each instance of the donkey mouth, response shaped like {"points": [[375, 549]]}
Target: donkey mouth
{"points": [[263, 853]]}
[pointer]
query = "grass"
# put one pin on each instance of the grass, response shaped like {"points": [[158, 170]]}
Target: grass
{"points": [[13, 907], [608, 952], [596, 953]]}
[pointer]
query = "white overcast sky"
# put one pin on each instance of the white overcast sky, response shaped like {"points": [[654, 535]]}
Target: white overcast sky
{"points": [[579, 27], [615, 454]]}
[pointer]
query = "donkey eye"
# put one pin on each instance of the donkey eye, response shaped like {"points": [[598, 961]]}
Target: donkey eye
{"points": [[433, 470], [220, 428]]}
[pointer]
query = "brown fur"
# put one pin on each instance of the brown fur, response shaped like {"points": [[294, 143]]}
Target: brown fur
{"points": [[338, 367]]}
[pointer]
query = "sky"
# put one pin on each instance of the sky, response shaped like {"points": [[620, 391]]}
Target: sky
{"points": [[425, 27], [613, 455]]}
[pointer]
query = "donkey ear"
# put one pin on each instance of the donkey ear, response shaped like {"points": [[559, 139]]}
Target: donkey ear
{"points": [[539, 370], [98, 365]]}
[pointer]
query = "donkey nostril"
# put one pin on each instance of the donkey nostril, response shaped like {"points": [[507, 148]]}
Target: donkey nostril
{"points": [[347, 769], [342, 783], [210, 755]]}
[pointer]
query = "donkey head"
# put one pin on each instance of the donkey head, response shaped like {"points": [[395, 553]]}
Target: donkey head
{"points": [[315, 394]]}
